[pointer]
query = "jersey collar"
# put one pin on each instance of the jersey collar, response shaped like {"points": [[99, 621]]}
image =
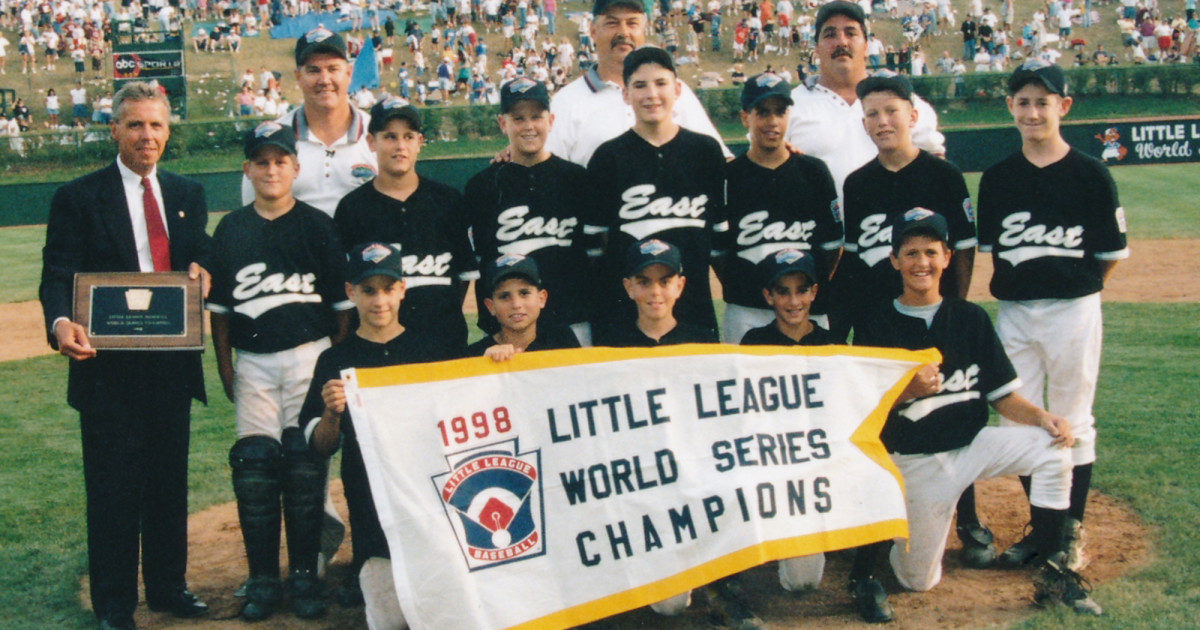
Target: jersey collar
{"points": [[353, 134]]}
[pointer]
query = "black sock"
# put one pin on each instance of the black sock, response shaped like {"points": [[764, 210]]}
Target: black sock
{"points": [[1047, 530], [1081, 481], [866, 558], [966, 507]]}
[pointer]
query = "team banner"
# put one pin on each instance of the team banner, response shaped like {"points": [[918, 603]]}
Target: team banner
{"points": [[567, 486]]}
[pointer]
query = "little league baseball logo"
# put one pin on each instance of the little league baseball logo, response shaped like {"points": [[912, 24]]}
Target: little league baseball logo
{"points": [[493, 500]]}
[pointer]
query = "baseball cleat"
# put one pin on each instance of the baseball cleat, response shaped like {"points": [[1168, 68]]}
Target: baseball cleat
{"points": [[870, 600], [728, 608], [1075, 536], [1020, 555], [1055, 584], [979, 549]]}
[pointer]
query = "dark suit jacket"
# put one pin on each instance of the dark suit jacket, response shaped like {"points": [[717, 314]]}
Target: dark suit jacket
{"points": [[89, 230]]}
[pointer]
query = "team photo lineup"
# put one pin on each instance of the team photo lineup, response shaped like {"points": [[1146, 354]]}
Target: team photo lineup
{"points": [[843, 223]]}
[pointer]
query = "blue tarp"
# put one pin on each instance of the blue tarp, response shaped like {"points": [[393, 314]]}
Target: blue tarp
{"points": [[294, 27], [366, 70]]}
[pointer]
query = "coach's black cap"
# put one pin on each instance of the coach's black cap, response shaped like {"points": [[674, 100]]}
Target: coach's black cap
{"points": [[269, 133], [374, 259], [839, 7], [600, 6], [644, 55], [652, 251], [787, 261], [885, 81], [523, 89], [919, 221], [393, 108], [320, 39], [1049, 75], [508, 266], [763, 86]]}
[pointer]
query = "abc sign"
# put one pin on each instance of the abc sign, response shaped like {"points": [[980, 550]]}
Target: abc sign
{"points": [[127, 66]]}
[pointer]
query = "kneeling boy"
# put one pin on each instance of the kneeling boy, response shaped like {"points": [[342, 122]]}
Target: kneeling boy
{"points": [[515, 300], [937, 434], [377, 288]]}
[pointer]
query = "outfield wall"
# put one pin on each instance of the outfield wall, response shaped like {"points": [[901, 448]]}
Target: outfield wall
{"points": [[1123, 143]]}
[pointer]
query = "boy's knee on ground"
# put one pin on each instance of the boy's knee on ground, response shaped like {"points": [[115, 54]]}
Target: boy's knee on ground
{"points": [[672, 605], [801, 573]]}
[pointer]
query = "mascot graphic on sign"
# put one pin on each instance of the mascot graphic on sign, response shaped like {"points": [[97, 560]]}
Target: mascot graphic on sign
{"points": [[1112, 146], [492, 497]]}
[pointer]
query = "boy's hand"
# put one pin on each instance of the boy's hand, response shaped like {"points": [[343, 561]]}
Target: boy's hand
{"points": [[502, 156], [334, 396], [501, 352], [1059, 428], [926, 382]]}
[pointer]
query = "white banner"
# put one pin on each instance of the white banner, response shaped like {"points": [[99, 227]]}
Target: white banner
{"points": [[567, 486]]}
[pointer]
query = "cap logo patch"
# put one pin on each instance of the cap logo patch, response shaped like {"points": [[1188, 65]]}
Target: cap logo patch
{"points": [[509, 260], [653, 247], [916, 214], [318, 34], [267, 129], [788, 256], [522, 85], [375, 253], [768, 80], [394, 102]]}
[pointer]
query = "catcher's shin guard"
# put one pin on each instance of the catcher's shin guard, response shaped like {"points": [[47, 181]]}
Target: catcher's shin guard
{"points": [[303, 500], [256, 462]]}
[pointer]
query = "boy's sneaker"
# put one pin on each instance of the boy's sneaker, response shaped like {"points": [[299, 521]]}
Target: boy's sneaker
{"points": [[1074, 537], [979, 549], [1021, 554], [870, 600], [1056, 584]]}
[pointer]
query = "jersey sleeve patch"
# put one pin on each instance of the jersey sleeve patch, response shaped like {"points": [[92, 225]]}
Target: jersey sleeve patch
{"points": [[1120, 216]]}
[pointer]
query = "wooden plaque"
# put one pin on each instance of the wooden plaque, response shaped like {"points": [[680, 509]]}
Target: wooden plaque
{"points": [[140, 311]]}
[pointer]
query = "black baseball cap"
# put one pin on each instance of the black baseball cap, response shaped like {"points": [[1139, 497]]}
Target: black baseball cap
{"points": [[763, 86], [600, 6], [644, 55], [885, 81], [919, 221], [269, 133], [508, 266], [374, 259], [652, 251], [393, 108], [787, 261], [1048, 75], [523, 89], [320, 39], [839, 7]]}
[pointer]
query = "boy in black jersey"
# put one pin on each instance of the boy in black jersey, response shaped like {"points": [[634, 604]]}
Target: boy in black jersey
{"points": [[1050, 217], [516, 299], [657, 180], [789, 287], [653, 281], [377, 289], [775, 200], [937, 432], [424, 218], [902, 177], [276, 297], [531, 206]]}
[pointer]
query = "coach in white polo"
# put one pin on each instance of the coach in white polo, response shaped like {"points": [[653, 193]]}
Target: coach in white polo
{"points": [[590, 110], [331, 134], [826, 120]]}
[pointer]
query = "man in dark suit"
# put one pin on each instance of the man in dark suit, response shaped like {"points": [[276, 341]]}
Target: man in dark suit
{"points": [[134, 407]]}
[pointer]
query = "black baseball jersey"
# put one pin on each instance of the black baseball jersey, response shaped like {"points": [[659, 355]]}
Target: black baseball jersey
{"points": [[675, 193], [1047, 228], [628, 335], [431, 231], [548, 338], [536, 211], [975, 371], [875, 196], [278, 281], [792, 206], [356, 352], [770, 335]]}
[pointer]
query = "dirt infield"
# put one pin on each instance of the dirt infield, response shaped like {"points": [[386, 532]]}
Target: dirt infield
{"points": [[1158, 271], [1117, 544]]}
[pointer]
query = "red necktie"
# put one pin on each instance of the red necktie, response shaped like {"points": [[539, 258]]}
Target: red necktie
{"points": [[160, 248]]}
